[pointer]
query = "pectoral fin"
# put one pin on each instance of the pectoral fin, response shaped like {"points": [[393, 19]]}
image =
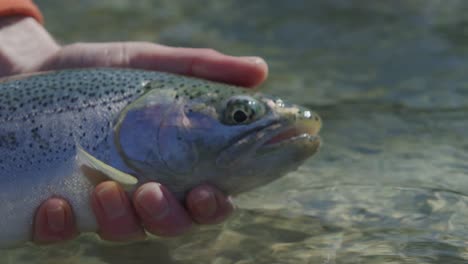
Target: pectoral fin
{"points": [[98, 171]]}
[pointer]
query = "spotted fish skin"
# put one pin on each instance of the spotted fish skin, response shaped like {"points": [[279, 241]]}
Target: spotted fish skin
{"points": [[43, 118], [151, 125]]}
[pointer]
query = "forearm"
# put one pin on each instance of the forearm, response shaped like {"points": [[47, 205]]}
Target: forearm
{"points": [[22, 41]]}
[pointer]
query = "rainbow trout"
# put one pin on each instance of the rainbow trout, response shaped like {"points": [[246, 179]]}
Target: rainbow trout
{"points": [[63, 132]]}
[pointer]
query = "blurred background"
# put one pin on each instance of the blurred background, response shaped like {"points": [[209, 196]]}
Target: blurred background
{"points": [[389, 80]]}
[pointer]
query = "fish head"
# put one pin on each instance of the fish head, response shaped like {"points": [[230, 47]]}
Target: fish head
{"points": [[230, 137]]}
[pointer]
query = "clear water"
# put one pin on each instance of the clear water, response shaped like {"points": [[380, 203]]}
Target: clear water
{"points": [[389, 80]]}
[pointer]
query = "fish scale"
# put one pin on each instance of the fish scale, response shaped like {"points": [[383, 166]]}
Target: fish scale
{"points": [[57, 96]]}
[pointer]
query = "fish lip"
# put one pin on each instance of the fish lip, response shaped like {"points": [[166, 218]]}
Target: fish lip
{"points": [[244, 146], [301, 132], [254, 142], [275, 125], [306, 143], [291, 133], [303, 137]]}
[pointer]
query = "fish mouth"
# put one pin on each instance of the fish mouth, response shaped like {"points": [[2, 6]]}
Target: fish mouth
{"points": [[301, 132], [291, 134], [301, 136]]}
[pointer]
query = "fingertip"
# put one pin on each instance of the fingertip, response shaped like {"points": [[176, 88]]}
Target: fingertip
{"points": [[54, 222], [259, 68], [115, 216], [160, 212], [241, 71], [207, 205], [202, 202]]}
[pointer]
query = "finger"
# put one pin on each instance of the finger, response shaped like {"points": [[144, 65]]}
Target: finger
{"points": [[159, 211], [208, 205], [24, 43], [54, 222], [116, 218], [202, 63]]}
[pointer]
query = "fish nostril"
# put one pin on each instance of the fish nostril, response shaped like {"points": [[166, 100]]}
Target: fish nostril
{"points": [[310, 115], [279, 103]]}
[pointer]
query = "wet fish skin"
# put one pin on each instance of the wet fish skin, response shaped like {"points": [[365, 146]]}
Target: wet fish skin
{"points": [[153, 126]]}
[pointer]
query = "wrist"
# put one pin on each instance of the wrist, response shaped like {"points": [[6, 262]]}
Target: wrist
{"points": [[24, 44]]}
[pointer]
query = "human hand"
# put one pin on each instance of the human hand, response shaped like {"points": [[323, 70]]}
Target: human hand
{"points": [[153, 206], [26, 47]]}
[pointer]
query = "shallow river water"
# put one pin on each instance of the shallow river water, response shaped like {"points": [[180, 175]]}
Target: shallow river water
{"points": [[389, 79]]}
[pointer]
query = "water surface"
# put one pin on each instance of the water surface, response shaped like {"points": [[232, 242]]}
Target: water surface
{"points": [[389, 80]]}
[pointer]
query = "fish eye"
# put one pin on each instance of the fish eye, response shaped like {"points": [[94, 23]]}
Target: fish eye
{"points": [[241, 110], [239, 116]]}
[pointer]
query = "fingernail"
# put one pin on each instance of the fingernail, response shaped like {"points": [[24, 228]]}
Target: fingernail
{"points": [[152, 200], [253, 59], [56, 217], [111, 201], [205, 203]]}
